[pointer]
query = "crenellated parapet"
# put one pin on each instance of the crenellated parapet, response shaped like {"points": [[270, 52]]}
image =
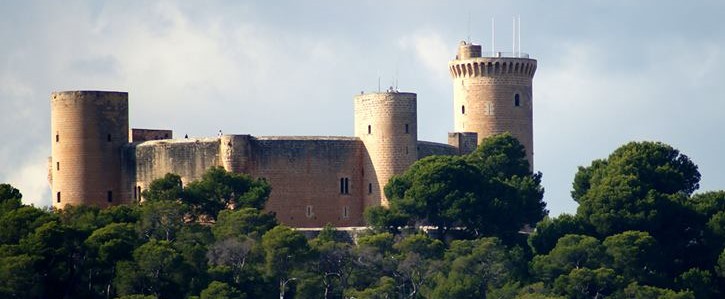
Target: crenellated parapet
{"points": [[492, 66]]}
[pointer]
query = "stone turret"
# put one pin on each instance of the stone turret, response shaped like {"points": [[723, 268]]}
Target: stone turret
{"points": [[88, 130], [492, 94], [386, 122]]}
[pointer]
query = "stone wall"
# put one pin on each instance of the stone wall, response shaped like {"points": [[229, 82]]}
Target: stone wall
{"points": [[426, 148], [140, 135], [315, 180], [189, 158]]}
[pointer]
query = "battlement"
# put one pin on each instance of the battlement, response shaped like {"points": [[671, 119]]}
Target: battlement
{"points": [[492, 66]]}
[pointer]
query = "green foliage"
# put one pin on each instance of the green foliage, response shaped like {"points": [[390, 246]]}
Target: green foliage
{"points": [[475, 266], [548, 231], [571, 252], [584, 283], [218, 189], [636, 291], [243, 222], [635, 187], [167, 188], [490, 192], [10, 198], [221, 290], [636, 255]]}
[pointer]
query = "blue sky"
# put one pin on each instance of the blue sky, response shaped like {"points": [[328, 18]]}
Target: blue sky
{"points": [[608, 72]]}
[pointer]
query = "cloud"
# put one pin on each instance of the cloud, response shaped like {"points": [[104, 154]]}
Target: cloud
{"points": [[431, 50]]}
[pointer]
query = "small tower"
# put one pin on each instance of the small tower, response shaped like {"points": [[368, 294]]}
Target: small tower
{"points": [[88, 130], [386, 122], [492, 94]]}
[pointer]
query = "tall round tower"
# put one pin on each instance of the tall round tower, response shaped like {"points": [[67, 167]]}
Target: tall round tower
{"points": [[88, 130], [492, 94], [387, 124]]}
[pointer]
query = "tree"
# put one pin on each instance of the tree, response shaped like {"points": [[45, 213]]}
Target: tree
{"points": [[475, 266], [243, 222], [106, 246], [635, 255], [167, 188], [157, 269], [218, 189], [434, 191], [584, 283], [18, 278], [549, 230], [490, 192], [698, 281], [636, 291], [161, 220], [221, 290], [284, 249], [334, 261], [637, 187], [10, 198], [571, 252]]}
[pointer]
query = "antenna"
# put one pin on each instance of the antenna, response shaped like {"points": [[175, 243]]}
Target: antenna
{"points": [[493, 36], [469, 26], [519, 27], [513, 49]]}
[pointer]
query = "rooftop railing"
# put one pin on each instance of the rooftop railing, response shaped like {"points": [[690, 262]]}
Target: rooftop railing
{"points": [[505, 54]]}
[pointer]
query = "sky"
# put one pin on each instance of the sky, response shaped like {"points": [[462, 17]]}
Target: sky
{"points": [[609, 72]]}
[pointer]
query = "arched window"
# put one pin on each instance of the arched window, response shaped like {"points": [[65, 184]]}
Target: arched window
{"points": [[463, 109], [109, 137], [370, 130], [517, 100], [57, 197]]}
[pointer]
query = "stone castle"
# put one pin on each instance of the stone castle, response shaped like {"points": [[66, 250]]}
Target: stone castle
{"points": [[97, 160]]}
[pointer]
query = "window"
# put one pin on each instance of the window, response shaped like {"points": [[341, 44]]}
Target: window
{"points": [[345, 212], [463, 109], [57, 137], [57, 197], [308, 212], [109, 137], [406, 129], [138, 190], [110, 196], [369, 130], [57, 166], [517, 100], [488, 109], [344, 186], [370, 188]]}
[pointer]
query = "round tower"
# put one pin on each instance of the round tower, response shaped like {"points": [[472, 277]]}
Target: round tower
{"points": [[492, 94], [387, 124], [88, 130]]}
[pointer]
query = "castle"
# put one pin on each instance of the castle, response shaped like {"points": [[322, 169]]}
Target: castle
{"points": [[97, 160]]}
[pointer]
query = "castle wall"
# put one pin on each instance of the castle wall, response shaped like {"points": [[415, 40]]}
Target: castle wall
{"points": [[322, 174], [189, 158], [88, 129], [386, 123], [427, 148], [140, 135]]}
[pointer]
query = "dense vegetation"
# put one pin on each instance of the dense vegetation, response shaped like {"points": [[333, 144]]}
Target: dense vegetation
{"points": [[639, 232]]}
